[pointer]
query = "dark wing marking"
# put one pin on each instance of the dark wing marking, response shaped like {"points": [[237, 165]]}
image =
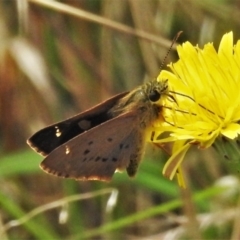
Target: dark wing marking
{"points": [[97, 153], [51, 137]]}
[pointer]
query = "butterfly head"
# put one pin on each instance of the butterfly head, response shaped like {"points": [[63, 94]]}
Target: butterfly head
{"points": [[155, 90]]}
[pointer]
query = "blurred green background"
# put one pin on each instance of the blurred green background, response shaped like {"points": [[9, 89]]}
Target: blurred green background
{"points": [[54, 64]]}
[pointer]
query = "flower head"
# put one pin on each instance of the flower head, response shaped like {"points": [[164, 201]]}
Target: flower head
{"points": [[206, 86]]}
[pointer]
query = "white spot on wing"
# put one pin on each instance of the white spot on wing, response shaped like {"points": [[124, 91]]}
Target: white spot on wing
{"points": [[67, 150], [58, 132]]}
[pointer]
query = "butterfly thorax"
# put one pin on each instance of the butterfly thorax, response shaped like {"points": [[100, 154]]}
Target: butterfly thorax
{"points": [[145, 101]]}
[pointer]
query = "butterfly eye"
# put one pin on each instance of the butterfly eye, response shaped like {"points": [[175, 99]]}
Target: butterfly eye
{"points": [[154, 95]]}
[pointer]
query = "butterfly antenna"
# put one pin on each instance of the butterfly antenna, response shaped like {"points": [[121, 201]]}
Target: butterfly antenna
{"points": [[173, 42]]}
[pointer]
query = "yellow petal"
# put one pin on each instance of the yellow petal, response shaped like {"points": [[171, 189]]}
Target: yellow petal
{"points": [[232, 131], [174, 162]]}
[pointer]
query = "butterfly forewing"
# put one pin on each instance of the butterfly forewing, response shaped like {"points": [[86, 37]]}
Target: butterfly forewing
{"points": [[51, 137], [97, 153]]}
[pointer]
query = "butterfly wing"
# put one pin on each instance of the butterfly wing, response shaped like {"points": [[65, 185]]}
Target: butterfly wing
{"points": [[51, 137], [97, 153]]}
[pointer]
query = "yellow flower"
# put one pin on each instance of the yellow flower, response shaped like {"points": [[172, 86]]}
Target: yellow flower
{"points": [[206, 86]]}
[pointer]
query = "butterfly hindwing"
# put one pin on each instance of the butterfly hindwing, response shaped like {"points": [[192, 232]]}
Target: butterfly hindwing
{"points": [[97, 153]]}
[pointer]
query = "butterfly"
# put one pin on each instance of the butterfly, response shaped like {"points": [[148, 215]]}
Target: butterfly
{"points": [[104, 139]]}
